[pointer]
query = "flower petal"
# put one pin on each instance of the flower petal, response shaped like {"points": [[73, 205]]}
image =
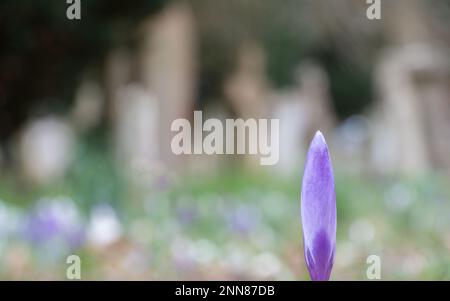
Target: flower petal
{"points": [[318, 210]]}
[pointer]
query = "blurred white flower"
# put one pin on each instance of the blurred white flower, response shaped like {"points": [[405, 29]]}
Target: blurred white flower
{"points": [[104, 226], [266, 265], [9, 220], [399, 197], [206, 251], [183, 252], [346, 254], [237, 258], [361, 230]]}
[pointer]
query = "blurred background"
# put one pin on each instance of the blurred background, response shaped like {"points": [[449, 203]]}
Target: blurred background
{"points": [[86, 166]]}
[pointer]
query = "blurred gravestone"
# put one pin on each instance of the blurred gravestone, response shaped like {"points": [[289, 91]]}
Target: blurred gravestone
{"points": [[136, 132], [247, 89], [412, 128], [302, 110], [45, 150], [209, 163], [168, 69], [411, 132], [47, 53], [88, 105]]}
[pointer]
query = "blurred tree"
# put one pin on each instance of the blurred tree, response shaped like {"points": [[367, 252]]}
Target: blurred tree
{"points": [[290, 33], [43, 54], [337, 34]]}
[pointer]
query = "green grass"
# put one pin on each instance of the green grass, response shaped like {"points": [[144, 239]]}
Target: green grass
{"points": [[249, 216]]}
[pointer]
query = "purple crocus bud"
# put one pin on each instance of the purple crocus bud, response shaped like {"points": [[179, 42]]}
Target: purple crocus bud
{"points": [[318, 210]]}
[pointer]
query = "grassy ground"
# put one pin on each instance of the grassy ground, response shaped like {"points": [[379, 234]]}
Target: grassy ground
{"points": [[231, 225]]}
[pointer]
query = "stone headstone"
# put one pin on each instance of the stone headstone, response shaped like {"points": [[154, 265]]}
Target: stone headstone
{"points": [[302, 109], [45, 149], [247, 88], [137, 131], [168, 69], [412, 118]]}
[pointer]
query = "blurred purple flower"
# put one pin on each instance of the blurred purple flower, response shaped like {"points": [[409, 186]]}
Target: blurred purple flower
{"points": [[186, 215], [162, 182], [243, 219], [318, 210], [55, 220]]}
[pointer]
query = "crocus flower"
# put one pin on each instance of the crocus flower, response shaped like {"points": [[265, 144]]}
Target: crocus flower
{"points": [[318, 210]]}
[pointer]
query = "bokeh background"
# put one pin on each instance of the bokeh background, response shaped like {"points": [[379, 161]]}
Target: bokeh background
{"points": [[85, 160]]}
